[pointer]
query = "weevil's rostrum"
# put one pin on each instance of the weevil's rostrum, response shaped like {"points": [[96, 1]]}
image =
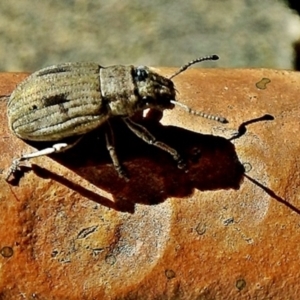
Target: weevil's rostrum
{"points": [[73, 99]]}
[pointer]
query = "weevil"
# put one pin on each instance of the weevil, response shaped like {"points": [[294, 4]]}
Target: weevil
{"points": [[72, 99]]}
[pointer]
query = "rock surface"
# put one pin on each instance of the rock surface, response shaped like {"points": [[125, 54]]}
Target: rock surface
{"points": [[71, 229]]}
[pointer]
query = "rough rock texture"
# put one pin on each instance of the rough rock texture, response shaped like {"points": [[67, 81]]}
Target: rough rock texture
{"points": [[71, 229]]}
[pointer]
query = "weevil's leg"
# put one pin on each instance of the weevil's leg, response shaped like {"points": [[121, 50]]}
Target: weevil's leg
{"points": [[144, 134], [110, 145], [59, 147]]}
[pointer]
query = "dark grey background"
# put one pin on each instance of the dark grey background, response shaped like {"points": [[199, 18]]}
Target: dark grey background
{"points": [[244, 33]]}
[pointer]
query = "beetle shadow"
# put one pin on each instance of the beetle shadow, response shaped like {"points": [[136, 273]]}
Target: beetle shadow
{"points": [[242, 129], [212, 164]]}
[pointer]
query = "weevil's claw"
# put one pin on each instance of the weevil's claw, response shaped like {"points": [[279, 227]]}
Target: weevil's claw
{"points": [[122, 173], [16, 169], [15, 166], [181, 164], [125, 177]]}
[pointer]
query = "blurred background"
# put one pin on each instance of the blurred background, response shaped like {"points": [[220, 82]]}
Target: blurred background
{"points": [[244, 33]]}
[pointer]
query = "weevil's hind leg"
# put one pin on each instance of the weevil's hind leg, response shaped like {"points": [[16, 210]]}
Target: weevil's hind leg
{"points": [[59, 147], [110, 145], [144, 134]]}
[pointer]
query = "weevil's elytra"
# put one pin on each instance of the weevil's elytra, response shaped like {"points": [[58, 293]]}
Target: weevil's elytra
{"points": [[51, 105], [72, 99]]}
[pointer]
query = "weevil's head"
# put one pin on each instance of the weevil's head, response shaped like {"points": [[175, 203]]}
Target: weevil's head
{"points": [[153, 90]]}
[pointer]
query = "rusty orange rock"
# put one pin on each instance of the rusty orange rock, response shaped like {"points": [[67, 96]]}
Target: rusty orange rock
{"points": [[226, 229]]}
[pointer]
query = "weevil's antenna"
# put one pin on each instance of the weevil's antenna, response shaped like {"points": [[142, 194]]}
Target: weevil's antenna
{"points": [[199, 113], [195, 61], [185, 107]]}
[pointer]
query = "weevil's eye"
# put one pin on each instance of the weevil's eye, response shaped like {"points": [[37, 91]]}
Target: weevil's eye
{"points": [[141, 74]]}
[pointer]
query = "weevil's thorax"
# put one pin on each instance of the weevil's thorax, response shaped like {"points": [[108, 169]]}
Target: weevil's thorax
{"points": [[117, 89], [128, 89]]}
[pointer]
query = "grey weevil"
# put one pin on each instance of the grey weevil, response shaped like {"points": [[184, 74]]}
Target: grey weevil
{"points": [[72, 99]]}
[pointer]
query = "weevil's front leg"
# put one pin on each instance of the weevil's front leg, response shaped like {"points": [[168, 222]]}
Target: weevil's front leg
{"points": [[59, 147], [144, 134], [110, 145]]}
